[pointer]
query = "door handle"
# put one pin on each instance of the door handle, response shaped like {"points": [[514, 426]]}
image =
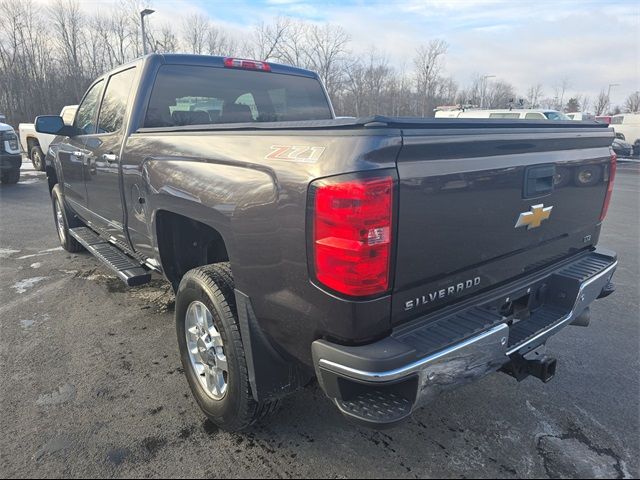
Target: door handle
{"points": [[110, 157], [538, 180]]}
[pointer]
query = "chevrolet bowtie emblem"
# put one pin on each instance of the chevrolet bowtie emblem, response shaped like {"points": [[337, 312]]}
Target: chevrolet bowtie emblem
{"points": [[535, 217]]}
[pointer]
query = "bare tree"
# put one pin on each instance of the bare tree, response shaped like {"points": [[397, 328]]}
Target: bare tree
{"points": [[585, 103], [195, 28], [69, 39], [559, 92], [165, 40], [268, 38], [632, 103], [534, 95], [428, 64], [500, 94], [602, 103], [326, 54]]}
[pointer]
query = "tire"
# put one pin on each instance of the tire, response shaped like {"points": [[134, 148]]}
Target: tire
{"points": [[10, 177], [232, 407], [64, 220], [37, 158]]}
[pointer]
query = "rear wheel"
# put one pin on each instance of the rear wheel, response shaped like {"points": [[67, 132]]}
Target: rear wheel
{"points": [[10, 177], [211, 349], [64, 220], [37, 158]]}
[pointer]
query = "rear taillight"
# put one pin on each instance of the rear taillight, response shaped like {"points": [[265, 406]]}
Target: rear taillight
{"points": [[247, 64], [352, 234], [612, 176]]}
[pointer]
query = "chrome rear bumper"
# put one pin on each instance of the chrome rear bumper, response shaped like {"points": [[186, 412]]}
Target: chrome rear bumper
{"points": [[349, 375]]}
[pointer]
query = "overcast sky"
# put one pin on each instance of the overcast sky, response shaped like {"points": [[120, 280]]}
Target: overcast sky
{"points": [[591, 43]]}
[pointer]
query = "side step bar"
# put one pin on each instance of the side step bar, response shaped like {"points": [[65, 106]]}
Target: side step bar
{"points": [[127, 269]]}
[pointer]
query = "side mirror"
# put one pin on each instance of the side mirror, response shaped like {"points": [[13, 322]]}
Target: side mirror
{"points": [[53, 125]]}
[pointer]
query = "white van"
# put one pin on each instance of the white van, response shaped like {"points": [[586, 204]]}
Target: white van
{"points": [[522, 113], [627, 127]]}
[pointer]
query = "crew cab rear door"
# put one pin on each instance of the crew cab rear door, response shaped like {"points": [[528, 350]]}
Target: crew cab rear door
{"points": [[480, 206], [103, 164]]}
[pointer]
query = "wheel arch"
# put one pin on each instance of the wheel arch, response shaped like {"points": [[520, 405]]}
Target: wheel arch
{"points": [[185, 243]]}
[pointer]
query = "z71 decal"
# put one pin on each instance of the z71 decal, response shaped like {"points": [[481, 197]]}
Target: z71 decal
{"points": [[296, 153]]}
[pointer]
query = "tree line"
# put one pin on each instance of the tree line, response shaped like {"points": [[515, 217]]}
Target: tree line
{"points": [[49, 55]]}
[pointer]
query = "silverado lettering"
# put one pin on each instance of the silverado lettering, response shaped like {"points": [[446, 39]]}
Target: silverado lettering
{"points": [[442, 293]]}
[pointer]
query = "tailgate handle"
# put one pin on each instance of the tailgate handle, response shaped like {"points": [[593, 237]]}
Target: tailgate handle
{"points": [[538, 180]]}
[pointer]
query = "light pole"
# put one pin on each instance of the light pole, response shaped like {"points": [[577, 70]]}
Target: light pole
{"points": [[144, 13], [483, 87], [609, 93]]}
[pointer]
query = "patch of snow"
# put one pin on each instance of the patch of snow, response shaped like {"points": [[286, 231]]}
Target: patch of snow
{"points": [[27, 323], [36, 265], [7, 252], [63, 394], [41, 252], [23, 285]]}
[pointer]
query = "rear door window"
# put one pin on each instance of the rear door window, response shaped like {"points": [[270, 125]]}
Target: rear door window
{"points": [[534, 116], [196, 95]]}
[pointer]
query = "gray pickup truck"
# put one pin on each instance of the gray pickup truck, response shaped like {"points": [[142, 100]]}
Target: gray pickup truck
{"points": [[390, 258], [10, 158]]}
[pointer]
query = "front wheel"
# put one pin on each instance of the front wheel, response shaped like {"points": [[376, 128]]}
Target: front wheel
{"points": [[10, 177], [211, 349]]}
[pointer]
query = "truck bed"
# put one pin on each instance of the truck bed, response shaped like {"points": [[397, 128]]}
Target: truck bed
{"points": [[460, 193]]}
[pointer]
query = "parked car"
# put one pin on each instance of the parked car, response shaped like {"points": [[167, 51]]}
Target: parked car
{"points": [[391, 258], [10, 158], [627, 128], [523, 114], [603, 119], [36, 145], [580, 116], [623, 149]]}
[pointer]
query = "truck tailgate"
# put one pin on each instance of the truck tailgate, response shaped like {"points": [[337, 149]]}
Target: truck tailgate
{"points": [[479, 207]]}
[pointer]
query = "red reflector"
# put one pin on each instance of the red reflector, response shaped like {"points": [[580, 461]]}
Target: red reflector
{"points": [[612, 176], [247, 64], [352, 235]]}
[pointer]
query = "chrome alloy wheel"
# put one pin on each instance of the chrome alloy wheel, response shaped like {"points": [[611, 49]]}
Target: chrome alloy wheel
{"points": [[206, 350], [60, 221]]}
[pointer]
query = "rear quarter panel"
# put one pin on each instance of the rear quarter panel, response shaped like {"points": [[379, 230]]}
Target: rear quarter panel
{"points": [[234, 183]]}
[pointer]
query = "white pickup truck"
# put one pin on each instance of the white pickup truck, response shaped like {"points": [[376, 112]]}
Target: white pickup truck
{"points": [[36, 145]]}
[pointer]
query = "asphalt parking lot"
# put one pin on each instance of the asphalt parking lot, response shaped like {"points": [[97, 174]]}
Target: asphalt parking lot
{"points": [[91, 383]]}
